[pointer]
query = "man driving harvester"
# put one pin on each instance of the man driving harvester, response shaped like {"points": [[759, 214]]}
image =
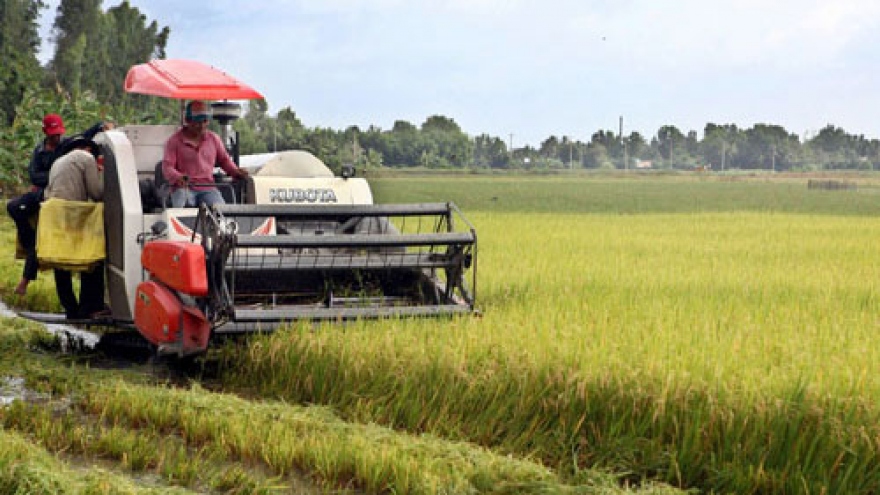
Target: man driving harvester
{"points": [[189, 159]]}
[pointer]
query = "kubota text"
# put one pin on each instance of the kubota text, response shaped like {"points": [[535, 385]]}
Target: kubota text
{"points": [[295, 195]]}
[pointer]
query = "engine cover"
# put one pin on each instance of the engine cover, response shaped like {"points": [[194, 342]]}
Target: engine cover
{"points": [[178, 264], [165, 321]]}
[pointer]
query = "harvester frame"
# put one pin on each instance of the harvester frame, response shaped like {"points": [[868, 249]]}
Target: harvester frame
{"points": [[294, 242]]}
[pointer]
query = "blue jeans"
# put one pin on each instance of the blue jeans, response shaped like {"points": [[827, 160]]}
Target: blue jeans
{"points": [[186, 198]]}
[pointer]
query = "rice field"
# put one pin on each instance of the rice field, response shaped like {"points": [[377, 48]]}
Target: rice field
{"points": [[636, 334]]}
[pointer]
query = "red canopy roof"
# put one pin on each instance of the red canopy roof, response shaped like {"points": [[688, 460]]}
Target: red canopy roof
{"points": [[186, 80]]}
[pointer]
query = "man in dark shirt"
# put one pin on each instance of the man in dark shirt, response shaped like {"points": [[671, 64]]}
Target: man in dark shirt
{"points": [[22, 208]]}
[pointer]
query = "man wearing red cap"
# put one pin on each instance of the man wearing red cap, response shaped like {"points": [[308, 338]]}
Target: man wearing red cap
{"points": [[22, 208]]}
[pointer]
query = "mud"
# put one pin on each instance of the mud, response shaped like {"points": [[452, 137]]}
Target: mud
{"points": [[70, 338], [12, 388], [109, 348]]}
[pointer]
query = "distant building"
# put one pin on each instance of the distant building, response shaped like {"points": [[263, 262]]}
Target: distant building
{"points": [[644, 164]]}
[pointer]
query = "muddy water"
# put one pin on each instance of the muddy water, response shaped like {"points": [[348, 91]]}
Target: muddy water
{"points": [[12, 387], [77, 341], [69, 336]]}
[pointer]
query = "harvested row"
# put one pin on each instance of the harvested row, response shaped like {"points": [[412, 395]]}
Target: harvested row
{"points": [[152, 437]]}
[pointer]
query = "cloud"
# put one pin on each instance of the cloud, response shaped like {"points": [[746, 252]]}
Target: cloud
{"points": [[541, 68]]}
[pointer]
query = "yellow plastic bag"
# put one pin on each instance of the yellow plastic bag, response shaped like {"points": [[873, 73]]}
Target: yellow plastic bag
{"points": [[70, 234]]}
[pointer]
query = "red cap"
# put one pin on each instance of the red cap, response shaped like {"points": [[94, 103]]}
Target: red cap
{"points": [[53, 125]]}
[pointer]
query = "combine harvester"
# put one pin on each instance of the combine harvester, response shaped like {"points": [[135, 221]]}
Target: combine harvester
{"points": [[294, 242]]}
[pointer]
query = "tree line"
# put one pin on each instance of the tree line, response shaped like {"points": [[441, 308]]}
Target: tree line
{"points": [[83, 79], [440, 143], [95, 48]]}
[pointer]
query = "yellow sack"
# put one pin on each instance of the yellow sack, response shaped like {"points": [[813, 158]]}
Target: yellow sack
{"points": [[70, 234]]}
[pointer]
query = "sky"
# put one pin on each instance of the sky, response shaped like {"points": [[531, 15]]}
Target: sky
{"points": [[525, 70]]}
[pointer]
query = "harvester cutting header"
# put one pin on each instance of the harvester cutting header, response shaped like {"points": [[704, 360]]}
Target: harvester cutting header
{"points": [[292, 242]]}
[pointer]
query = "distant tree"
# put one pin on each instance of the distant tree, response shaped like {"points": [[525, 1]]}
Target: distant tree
{"points": [[100, 48], [692, 144], [767, 147], [597, 156], [831, 139], [324, 143], [835, 148], [490, 152], [252, 126], [74, 19], [256, 112], [373, 159], [128, 40], [569, 153], [608, 140], [373, 141], [402, 146], [719, 145], [291, 133], [19, 45], [20, 138], [249, 141], [669, 140], [444, 144], [439, 123], [636, 146], [404, 127], [549, 147], [351, 151]]}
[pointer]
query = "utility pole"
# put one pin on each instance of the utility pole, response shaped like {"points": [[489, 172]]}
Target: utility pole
{"points": [[354, 149], [773, 157], [723, 153], [623, 143]]}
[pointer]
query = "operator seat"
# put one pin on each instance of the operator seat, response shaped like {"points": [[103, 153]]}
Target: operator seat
{"points": [[161, 190], [154, 195]]}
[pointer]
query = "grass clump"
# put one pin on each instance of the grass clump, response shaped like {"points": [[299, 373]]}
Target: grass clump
{"points": [[192, 439], [315, 443], [29, 470]]}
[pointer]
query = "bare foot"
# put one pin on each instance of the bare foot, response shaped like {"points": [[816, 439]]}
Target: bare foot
{"points": [[21, 288]]}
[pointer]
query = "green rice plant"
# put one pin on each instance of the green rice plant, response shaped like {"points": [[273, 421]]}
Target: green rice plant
{"points": [[727, 351], [630, 194], [716, 335], [289, 440], [135, 449], [41, 292], [28, 470]]}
